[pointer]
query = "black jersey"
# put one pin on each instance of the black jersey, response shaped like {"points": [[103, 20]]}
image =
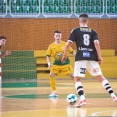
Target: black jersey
{"points": [[84, 38]]}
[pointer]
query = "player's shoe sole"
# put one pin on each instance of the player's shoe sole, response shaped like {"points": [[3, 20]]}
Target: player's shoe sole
{"points": [[81, 103]]}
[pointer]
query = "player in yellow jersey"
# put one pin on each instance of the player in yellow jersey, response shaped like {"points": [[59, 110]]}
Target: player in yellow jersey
{"points": [[56, 49]]}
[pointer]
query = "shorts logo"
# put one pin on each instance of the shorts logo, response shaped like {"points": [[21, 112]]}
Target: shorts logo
{"points": [[86, 54], [95, 70], [82, 70]]}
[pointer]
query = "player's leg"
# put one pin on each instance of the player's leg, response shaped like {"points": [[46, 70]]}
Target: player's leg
{"points": [[68, 70], [94, 69], [79, 72], [80, 91], [53, 72], [107, 86], [52, 84]]}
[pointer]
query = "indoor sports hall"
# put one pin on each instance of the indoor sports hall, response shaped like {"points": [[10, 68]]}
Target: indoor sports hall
{"points": [[29, 26]]}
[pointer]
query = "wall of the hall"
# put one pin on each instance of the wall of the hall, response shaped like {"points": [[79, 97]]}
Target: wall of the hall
{"points": [[37, 34]]}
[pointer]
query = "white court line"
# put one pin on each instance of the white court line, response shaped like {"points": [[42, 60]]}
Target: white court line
{"points": [[96, 114], [5, 96], [32, 110]]}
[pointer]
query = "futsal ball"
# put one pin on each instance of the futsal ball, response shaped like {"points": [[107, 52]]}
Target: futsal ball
{"points": [[72, 99]]}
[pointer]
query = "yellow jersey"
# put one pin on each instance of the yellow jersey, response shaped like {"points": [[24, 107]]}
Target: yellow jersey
{"points": [[57, 50]]}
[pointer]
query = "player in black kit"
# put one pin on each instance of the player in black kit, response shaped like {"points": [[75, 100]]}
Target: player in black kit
{"points": [[88, 57]]}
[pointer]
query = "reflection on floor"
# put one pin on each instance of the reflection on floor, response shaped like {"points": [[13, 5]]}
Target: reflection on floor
{"points": [[30, 99]]}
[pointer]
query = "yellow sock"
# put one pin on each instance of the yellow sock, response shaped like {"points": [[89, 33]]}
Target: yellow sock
{"points": [[52, 83]]}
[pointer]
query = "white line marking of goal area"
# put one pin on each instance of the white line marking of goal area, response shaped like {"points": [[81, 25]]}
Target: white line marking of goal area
{"points": [[114, 112]]}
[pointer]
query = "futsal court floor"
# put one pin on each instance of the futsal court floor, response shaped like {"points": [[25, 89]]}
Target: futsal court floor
{"points": [[30, 99]]}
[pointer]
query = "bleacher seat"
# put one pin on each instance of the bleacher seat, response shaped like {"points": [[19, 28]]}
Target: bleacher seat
{"points": [[46, 3], [99, 2], [91, 7], [2, 9], [63, 2], [110, 2], [94, 9], [54, 2], [12, 9], [25, 2], [88, 10], [67, 9], [35, 2], [36, 9], [3, 5], [5, 2], [116, 2], [29, 9], [48, 9], [84, 9], [19, 9], [25, 7], [103, 8], [71, 2], [81, 2], [77, 9], [15, 2], [113, 9], [90, 3], [57, 9]]}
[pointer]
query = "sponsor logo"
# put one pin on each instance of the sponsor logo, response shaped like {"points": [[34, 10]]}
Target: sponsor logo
{"points": [[59, 54], [86, 54], [85, 29], [85, 49], [95, 70]]}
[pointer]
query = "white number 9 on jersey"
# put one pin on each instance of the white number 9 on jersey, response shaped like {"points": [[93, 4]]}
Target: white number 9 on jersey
{"points": [[86, 39]]}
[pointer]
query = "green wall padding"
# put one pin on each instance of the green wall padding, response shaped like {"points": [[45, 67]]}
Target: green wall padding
{"points": [[19, 74], [20, 64]]}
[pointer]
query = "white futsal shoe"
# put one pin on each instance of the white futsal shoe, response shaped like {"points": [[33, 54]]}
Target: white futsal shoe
{"points": [[81, 103], [53, 94]]}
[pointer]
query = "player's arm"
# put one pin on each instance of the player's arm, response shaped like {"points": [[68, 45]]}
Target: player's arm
{"points": [[48, 61], [73, 53], [5, 54], [48, 57], [68, 44], [97, 46]]}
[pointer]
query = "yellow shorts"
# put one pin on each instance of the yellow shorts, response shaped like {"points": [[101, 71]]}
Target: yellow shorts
{"points": [[65, 69]]}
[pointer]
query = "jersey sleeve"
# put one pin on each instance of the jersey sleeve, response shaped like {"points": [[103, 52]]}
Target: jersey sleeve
{"points": [[48, 53], [95, 36], [72, 36], [70, 50]]}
